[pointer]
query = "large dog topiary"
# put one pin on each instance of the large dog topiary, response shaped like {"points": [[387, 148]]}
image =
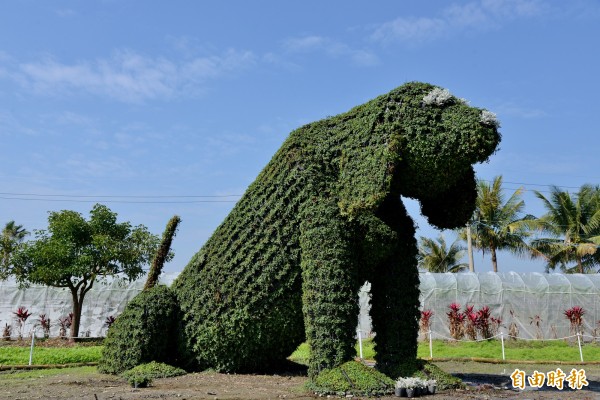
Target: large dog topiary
{"points": [[324, 216]]}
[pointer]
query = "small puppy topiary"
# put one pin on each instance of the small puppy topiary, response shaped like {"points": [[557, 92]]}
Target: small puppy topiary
{"points": [[145, 331]]}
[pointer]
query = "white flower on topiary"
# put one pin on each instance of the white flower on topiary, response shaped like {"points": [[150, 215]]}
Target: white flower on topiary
{"points": [[437, 96], [489, 118]]}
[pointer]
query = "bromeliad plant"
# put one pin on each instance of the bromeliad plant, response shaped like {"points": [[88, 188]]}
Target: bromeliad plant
{"points": [[575, 317], [21, 315]]}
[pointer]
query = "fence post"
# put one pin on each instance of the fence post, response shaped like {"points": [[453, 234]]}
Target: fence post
{"points": [[32, 340], [502, 339], [430, 346], [579, 343], [360, 349]]}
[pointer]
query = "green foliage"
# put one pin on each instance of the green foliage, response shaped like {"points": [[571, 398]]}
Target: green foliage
{"points": [[499, 224], [543, 351], [321, 218], [145, 331], [444, 380], [436, 256], [354, 378], [144, 374], [12, 236], [73, 252], [572, 229], [163, 253], [11, 355]]}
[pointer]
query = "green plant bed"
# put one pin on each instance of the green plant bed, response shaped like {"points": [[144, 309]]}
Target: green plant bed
{"points": [[144, 374], [49, 356], [554, 350], [353, 378]]}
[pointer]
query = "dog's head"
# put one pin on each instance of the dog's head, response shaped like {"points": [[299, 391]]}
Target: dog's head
{"points": [[431, 141]]}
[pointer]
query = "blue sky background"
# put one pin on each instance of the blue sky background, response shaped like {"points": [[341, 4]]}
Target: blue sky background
{"points": [[187, 98]]}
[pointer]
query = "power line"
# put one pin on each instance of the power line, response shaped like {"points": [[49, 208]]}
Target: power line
{"points": [[118, 201], [118, 196]]}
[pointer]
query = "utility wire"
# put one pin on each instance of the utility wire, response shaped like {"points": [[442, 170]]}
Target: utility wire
{"points": [[118, 201]]}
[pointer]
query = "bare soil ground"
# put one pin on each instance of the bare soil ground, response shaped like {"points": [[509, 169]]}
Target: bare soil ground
{"points": [[85, 383]]}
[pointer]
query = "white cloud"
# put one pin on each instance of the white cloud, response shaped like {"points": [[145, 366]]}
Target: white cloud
{"points": [[131, 77], [11, 126], [480, 14], [333, 48]]}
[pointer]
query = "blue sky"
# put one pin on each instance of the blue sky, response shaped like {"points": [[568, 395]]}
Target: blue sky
{"points": [[139, 105]]}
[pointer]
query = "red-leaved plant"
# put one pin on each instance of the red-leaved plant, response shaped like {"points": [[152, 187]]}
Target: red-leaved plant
{"points": [[455, 321], [575, 317], [65, 323], [425, 322], [22, 314], [483, 323], [470, 322], [45, 324]]}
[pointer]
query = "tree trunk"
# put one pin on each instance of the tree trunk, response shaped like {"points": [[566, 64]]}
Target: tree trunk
{"points": [[580, 265], [78, 295], [494, 259], [76, 314]]}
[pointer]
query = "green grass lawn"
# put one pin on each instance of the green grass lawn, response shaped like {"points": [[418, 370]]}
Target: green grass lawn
{"points": [[12, 355], [555, 350]]}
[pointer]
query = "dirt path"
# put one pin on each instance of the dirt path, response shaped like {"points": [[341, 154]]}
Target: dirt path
{"points": [[86, 383]]}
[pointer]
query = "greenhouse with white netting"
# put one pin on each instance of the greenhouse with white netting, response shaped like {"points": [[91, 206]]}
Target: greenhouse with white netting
{"points": [[526, 305]]}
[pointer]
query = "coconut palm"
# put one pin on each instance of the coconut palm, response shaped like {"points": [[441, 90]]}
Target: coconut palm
{"points": [[12, 235], [437, 256], [572, 226], [499, 224]]}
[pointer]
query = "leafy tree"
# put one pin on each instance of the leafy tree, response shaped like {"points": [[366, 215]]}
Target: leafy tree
{"points": [[12, 236], [73, 252], [436, 256], [572, 226], [499, 224]]}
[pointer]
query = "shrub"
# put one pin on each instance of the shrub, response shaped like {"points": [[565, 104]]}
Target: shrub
{"points": [[144, 374], [444, 380], [354, 378], [144, 332]]}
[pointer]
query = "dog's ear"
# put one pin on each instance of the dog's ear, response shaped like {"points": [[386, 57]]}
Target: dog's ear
{"points": [[367, 167], [454, 207]]}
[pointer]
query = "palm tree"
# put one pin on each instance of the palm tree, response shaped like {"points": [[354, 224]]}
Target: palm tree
{"points": [[499, 225], [436, 256], [12, 235], [573, 227]]}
